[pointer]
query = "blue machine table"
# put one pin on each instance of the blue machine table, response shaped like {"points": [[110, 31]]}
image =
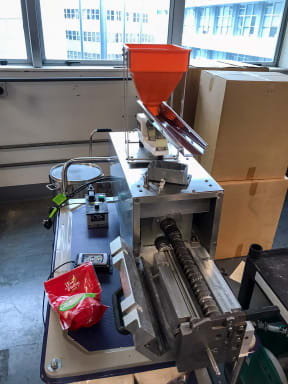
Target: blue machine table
{"points": [[99, 351]]}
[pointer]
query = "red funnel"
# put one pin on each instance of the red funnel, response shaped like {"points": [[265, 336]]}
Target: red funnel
{"points": [[156, 69]]}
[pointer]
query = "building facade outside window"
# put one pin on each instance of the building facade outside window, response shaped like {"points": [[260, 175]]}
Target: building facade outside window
{"points": [[100, 28], [247, 31]]}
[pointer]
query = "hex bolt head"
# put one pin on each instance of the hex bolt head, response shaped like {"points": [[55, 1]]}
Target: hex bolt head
{"points": [[54, 364]]}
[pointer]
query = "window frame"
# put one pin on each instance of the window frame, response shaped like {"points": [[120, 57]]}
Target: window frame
{"points": [[32, 26]]}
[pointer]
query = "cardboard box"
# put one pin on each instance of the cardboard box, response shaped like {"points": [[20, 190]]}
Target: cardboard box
{"points": [[243, 117], [127, 379], [159, 376], [193, 82], [250, 214]]}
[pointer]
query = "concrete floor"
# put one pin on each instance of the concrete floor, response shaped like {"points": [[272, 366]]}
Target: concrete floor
{"points": [[26, 248], [25, 263]]}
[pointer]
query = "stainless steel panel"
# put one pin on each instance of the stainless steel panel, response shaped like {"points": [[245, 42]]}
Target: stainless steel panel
{"points": [[200, 181], [221, 291], [168, 281]]}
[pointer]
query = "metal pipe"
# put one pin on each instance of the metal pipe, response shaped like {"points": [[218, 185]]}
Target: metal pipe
{"points": [[97, 130], [213, 362], [79, 160]]}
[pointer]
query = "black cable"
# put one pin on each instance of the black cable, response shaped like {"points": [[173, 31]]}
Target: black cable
{"points": [[83, 186], [49, 277], [79, 189]]}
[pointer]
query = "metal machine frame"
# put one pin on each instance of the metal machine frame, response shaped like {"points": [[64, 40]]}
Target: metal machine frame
{"points": [[150, 306]]}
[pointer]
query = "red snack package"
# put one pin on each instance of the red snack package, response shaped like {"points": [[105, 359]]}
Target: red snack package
{"points": [[76, 296]]}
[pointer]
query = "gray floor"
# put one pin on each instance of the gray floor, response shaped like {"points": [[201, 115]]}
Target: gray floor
{"points": [[25, 261]]}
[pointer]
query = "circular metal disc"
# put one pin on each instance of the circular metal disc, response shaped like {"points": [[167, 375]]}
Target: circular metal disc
{"points": [[77, 172]]}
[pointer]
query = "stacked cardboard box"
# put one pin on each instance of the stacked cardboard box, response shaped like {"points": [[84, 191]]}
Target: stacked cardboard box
{"points": [[243, 117], [193, 81]]}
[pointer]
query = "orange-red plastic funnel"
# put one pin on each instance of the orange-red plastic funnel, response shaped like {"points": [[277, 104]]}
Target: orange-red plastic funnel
{"points": [[156, 69]]}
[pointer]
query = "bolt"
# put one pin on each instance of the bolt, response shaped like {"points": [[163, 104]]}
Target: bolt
{"points": [[54, 364], [238, 339], [241, 328]]}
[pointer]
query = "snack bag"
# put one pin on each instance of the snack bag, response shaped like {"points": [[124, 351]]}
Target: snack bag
{"points": [[76, 296]]}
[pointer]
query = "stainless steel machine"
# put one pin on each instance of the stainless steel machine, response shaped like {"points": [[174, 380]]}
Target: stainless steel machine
{"points": [[175, 302]]}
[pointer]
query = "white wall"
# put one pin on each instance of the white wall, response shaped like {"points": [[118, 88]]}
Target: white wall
{"points": [[40, 112]]}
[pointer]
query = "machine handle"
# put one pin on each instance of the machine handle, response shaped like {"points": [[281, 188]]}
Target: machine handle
{"points": [[98, 130], [104, 130], [116, 300]]}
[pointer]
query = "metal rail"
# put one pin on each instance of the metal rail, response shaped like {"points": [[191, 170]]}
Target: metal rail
{"points": [[51, 144], [58, 79]]}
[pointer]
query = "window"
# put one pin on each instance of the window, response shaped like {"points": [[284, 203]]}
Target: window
{"points": [[72, 35], [246, 20], [12, 40], [118, 37], [71, 13], [145, 17], [96, 30], [91, 56], [205, 21], [272, 19], [136, 17], [92, 36], [91, 14], [224, 20], [74, 55], [232, 30], [118, 15], [99, 31], [110, 15]]}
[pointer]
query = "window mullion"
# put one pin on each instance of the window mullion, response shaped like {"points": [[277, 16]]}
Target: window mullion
{"points": [[26, 31], [176, 21], [34, 32]]}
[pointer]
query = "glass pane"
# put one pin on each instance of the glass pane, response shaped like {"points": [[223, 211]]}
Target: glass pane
{"points": [[12, 40], [97, 30], [241, 31]]}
